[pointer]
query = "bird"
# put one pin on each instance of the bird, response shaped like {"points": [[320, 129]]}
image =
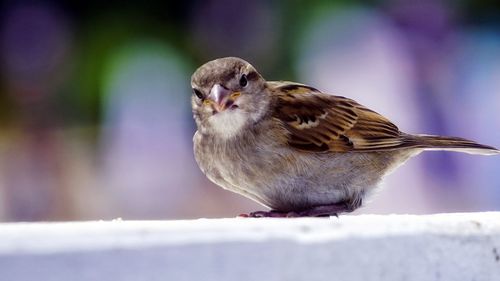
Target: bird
{"points": [[294, 149]]}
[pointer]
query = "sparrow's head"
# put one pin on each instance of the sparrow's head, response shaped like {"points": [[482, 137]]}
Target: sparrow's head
{"points": [[228, 94]]}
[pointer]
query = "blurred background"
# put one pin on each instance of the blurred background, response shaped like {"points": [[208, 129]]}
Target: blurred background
{"points": [[95, 118]]}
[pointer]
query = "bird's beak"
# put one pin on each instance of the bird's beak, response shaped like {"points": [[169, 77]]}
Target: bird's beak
{"points": [[221, 97]]}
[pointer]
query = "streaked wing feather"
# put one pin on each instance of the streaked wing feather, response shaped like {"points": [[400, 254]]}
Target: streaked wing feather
{"points": [[320, 122]]}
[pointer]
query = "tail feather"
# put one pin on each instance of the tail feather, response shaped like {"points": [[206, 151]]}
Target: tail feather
{"points": [[429, 142]]}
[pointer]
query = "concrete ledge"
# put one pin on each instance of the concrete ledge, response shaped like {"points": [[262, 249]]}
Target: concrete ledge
{"points": [[365, 247]]}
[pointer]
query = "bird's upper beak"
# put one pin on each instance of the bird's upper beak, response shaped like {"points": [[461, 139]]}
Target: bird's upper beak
{"points": [[221, 97]]}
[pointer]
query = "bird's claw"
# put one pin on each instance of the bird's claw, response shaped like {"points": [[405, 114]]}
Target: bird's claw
{"points": [[318, 211], [264, 214], [277, 214]]}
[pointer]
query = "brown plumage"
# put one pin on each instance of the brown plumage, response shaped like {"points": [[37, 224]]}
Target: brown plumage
{"points": [[294, 148], [320, 122]]}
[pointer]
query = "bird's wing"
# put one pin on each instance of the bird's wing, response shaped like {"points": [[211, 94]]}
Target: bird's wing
{"points": [[319, 122]]}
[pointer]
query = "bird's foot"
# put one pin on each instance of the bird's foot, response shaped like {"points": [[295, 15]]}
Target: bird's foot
{"points": [[317, 211], [323, 211], [330, 210], [264, 214]]}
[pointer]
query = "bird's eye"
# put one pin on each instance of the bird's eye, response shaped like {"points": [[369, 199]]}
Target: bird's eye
{"points": [[198, 93], [243, 80]]}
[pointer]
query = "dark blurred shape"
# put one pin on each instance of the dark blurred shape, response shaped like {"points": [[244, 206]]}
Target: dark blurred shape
{"points": [[247, 29], [35, 44]]}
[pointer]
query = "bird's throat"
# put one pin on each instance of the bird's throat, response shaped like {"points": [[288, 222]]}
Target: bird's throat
{"points": [[229, 123]]}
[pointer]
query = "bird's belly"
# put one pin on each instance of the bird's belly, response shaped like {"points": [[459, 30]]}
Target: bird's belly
{"points": [[295, 182], [298, 182], [286, 180]]}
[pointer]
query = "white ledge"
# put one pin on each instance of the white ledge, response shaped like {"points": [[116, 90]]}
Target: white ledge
{"points": [[366, 247]]}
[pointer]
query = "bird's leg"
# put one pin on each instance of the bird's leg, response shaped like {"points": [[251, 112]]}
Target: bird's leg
{"points": [[264, 214], [328, 210], [316, 211], [322, 211]]}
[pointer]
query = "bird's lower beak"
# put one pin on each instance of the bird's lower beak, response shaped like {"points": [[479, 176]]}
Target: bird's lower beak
{"points": [[222, 98]]}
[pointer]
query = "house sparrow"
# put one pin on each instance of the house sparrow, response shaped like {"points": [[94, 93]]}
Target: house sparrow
{"points": [[293, 148]]}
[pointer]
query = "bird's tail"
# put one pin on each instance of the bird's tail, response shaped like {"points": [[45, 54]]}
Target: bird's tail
{"points": [[429, 142]]}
